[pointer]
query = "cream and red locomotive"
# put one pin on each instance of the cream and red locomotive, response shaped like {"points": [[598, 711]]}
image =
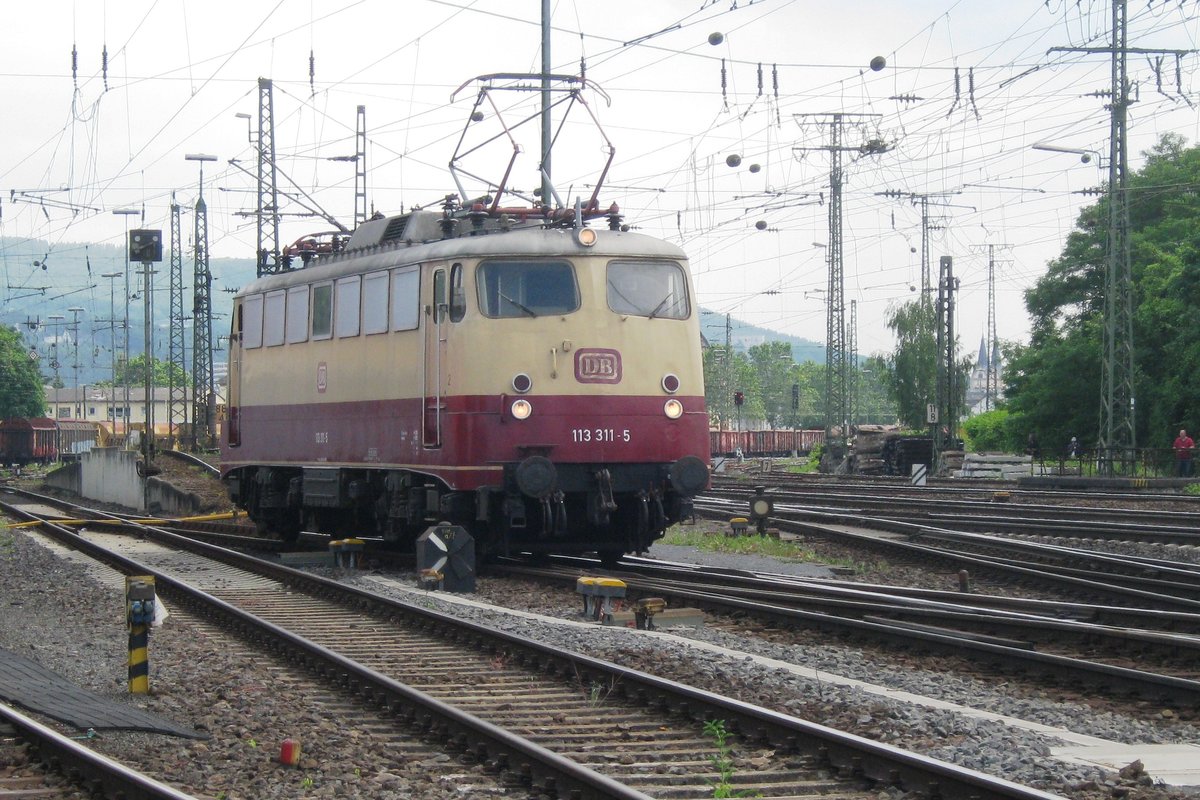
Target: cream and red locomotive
{"points": [[538, 381]]}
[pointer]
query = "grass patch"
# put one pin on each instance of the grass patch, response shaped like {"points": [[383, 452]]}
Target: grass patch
{"points": [[750, 544], [712, 538], [1192, 489]]}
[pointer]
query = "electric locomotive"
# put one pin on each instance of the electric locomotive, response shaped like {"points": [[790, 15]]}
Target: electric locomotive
{"points": [[536, 380]]}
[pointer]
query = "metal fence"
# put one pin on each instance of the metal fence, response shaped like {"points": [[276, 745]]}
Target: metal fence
{"points": [[1144, 462]]}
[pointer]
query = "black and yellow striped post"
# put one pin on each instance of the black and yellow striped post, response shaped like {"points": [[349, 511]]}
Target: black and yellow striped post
{"points": [[139, 613]]}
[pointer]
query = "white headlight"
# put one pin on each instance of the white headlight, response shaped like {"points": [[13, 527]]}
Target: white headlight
{"points": [[673, 409], [521, 409]]}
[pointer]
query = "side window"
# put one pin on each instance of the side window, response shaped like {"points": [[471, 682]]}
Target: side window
{"points": [[273, 319], [439, 295], [348, 298], [458, 297], [322, 311], [406, 298], [375, 303], [297, 314], [252, 319]]}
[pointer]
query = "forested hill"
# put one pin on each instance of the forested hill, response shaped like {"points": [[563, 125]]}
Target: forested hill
{"points": [[743, 336], [43, 280]]}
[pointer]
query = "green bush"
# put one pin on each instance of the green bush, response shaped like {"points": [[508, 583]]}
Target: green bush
{"points": [[992, 430]]}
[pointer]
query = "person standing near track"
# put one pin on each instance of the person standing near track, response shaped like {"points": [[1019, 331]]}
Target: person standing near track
{"points": [[1184, 450], [1073, 449]]}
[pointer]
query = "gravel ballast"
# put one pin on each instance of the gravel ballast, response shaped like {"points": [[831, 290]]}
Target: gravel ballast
{"points": [[61, 616]]}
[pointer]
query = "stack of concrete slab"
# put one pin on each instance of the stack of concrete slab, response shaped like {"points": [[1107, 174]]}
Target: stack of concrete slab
{"points": [[952, 462], [997, 466], [868, 448]]}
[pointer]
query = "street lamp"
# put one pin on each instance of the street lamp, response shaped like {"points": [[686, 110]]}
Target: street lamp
{"points": [[112, 320], [1085, 156], [249, 127], [126, 213], [78, 409]]}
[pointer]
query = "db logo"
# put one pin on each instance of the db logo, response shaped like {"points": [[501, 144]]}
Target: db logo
{"points": [[597, 365], [322, 377]]}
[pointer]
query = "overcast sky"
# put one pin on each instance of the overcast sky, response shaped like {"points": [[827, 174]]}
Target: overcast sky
{"points": [[966, 90]]}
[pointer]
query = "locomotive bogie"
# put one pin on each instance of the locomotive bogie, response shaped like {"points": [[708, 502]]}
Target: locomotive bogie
{"points": [[547, 394]]}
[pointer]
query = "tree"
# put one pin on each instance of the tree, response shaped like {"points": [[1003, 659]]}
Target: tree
{"points": [[133, 373], [726, 372], [21, 392], [811, 377], [1053, 385], [773, 363], [912, 367], [874, 404]]}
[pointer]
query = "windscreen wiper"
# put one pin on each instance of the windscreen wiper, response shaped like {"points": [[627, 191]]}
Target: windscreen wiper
{"points": [[524, 308]]}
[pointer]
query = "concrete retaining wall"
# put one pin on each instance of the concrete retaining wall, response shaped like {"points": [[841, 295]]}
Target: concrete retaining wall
{"points": [[110, 476], [166, 500], [67, 477]]}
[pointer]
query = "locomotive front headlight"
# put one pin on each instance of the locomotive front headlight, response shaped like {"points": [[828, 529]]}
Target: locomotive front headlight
{"points": [[670, 383], [521, 409], [673, 409], [585, 236], [522, 383]]}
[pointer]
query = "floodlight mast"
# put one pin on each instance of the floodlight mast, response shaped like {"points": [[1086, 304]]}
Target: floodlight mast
{"points": [[125, 212]]}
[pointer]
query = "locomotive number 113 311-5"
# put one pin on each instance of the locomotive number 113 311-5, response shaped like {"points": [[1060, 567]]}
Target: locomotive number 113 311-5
{"points": [[601, 435]]}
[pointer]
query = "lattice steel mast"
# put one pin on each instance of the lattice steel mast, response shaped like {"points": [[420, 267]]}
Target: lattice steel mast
{"points": [[992, 379], [1116, 411], [360, 167], [836, 399], [176, 347], [267, 214], [947, 367], [1118, 436]]}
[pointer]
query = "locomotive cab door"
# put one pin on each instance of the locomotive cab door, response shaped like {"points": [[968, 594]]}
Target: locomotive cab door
{"points": [[234, 401], [436, 313]]}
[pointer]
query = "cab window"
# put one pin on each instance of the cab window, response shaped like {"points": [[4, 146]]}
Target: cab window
{"points": [[654, 289], [526, 288]]}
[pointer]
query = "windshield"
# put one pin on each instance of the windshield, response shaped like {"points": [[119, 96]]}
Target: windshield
{"points": [[648, 289], [526, 288]]}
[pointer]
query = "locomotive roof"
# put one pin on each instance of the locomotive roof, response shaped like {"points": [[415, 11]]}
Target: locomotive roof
{"points": [[371, 248]]}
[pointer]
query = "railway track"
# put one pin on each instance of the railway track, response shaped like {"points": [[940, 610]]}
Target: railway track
{"points": [[1041, 643], [999, 511], [1094, 576], [564, 722], [978, 489], [38, 762]]}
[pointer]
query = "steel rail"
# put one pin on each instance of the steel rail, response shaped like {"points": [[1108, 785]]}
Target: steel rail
{"points": [[901, 486], [1072, 522], [1168, 689], [824, 524], [1169, 630], [843, 751], [543, 767], [100, 774]]}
